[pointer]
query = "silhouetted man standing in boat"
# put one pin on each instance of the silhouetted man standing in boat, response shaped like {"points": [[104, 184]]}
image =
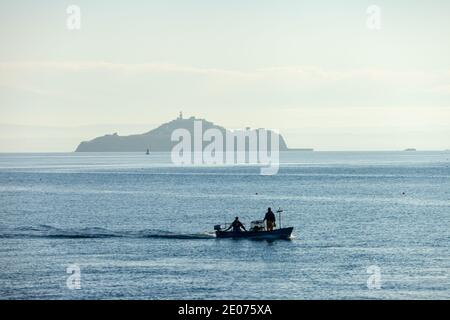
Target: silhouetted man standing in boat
{"points": [[270, 219], [236, 225]]}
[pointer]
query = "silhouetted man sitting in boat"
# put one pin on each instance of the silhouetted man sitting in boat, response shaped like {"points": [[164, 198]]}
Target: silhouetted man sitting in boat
{"points": [[270, 219], [236, 225]]}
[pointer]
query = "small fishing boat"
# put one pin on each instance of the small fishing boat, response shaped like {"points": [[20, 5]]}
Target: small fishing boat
{"points": [[282, 233], [257, 231]]}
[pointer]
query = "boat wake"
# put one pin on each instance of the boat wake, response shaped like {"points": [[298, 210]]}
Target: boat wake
{"points": [[45, 231]]}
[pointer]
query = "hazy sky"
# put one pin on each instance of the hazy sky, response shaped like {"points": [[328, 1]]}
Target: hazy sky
{"points": [[311, 69]]}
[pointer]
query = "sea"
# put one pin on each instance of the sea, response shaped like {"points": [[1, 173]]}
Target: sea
{"points": [[367, 225]]}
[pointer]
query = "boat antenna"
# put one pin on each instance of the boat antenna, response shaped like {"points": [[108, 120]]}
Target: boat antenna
{"points": [[279, 211]]}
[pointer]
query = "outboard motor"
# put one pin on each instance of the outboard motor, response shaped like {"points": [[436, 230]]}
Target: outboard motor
{"points": [[217, 227]]}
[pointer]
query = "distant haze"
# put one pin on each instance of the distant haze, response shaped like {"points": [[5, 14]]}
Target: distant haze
{"points": [[312, 70]]}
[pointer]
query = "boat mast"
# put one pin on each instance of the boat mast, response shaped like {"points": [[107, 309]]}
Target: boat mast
{"points": [[279, 215]]}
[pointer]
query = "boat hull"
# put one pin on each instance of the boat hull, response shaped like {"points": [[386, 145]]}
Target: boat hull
{"points": [[283, 233]]}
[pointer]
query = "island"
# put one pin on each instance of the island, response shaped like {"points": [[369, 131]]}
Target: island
{"points": [[159, 139]]}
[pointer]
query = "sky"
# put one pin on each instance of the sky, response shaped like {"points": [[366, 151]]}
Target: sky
{"points": [[314, 70]]}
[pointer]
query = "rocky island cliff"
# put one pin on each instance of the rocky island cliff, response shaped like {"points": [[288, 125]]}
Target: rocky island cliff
{"points": [[156, 140]]}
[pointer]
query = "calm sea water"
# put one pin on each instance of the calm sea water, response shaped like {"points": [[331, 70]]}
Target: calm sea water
{"points": [[139, 228]]}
